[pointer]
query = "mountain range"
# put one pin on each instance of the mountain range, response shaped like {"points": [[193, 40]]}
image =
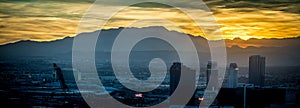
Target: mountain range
{"points": [[278, 52]]}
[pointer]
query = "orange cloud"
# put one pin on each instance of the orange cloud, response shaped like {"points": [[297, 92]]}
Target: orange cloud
{"points": [[46, 21]]}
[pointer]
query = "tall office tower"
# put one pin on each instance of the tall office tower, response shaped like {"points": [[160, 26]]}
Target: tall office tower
{"points": [[60, 77], [212, 75], [176, 70], [233, 75], [257, 68]]}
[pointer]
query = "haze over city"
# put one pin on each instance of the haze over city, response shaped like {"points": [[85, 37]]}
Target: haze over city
{"points": [[155, 53]]}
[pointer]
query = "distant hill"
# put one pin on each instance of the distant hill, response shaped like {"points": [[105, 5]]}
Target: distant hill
{"points": [[279, 52]]}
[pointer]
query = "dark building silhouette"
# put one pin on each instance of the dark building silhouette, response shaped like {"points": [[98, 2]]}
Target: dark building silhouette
{"points": [[212, 75], [232, 75], [60, 77], [257, 68], [175, 72], [256, 98]]}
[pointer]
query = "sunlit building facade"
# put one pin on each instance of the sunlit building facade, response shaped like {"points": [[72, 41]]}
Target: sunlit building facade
{"points": [[232, 75]]}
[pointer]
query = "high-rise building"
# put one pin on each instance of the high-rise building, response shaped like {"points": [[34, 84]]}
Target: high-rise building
{"points": [[257, 68], [60, 77], [212, 75], [176, 70], [232, 75]]}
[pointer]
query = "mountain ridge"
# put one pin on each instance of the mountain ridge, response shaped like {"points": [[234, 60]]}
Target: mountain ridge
{"points": [[120, 28], [283, 55]]}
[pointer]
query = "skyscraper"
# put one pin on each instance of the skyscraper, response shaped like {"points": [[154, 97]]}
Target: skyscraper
{"points": [[212, 75], [232, 75], [60, 77], [175, 72], [257, 68]]}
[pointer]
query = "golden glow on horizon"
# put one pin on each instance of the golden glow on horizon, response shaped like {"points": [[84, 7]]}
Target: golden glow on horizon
{"points": [[130, 15], [46, 21]]}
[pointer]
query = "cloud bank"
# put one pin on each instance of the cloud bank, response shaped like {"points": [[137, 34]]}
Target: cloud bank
{"points": [[40, 20]]}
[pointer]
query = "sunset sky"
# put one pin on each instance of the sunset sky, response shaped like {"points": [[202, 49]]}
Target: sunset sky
{"points": [[46, 20]]}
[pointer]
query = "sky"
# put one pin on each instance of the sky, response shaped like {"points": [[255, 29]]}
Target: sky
{"points": [[48, 20]]}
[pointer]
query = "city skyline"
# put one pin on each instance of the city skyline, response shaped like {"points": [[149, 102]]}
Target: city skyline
{"points": [[149, 53]]}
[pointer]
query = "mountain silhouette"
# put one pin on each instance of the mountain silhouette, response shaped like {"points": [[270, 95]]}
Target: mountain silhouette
{"points": [[279, 52]]}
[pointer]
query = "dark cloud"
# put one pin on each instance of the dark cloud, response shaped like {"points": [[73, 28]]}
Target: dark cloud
{"points": [[88, 1], [276, 5], [152, 5]]}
